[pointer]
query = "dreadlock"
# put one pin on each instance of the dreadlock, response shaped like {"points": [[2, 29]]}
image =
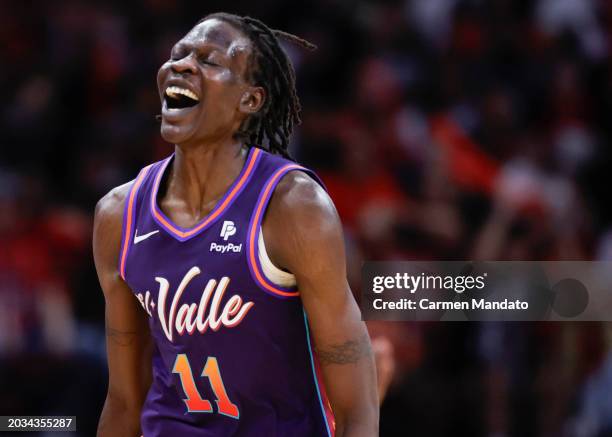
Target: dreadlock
{"points": [[269, 67]]}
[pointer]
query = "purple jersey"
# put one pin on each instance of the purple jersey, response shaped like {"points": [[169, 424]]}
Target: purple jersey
{"points": [[233, 354]]}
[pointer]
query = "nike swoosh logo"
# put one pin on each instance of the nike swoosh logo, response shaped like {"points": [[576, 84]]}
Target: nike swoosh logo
{"points": [[139, 238]]}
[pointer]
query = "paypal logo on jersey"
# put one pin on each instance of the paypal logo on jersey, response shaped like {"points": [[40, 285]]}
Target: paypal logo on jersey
{"points": [[224, 248], [227, 230]]}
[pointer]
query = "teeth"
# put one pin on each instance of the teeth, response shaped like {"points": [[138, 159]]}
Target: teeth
{"points": [[172, 91]]}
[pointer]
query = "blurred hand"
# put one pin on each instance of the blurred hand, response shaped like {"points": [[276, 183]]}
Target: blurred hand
{"points": [[385, 364]]}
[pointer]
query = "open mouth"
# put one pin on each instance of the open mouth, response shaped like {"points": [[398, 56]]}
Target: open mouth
{"points": [[179, 98]]}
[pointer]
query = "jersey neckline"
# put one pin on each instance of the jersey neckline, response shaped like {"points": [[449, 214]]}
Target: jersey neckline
{"points": [[183, 234]]}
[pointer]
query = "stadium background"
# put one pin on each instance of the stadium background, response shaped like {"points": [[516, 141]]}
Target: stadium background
{"points": [[444, 129]]}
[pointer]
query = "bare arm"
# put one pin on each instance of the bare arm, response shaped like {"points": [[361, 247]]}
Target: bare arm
{"points": [[307, 241], [128, 341]]}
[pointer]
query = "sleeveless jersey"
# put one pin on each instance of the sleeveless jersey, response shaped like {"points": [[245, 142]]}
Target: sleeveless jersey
{"points": [[232, 351]]}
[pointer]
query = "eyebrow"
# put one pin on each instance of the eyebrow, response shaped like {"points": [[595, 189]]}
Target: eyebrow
{"points": [[183, 45], [216, 35]]}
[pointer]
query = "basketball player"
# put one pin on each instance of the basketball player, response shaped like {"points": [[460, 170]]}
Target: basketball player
{"points": [[228, 312]]}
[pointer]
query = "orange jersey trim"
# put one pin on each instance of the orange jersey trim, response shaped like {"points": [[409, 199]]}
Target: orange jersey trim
{"points": [[253, 231], [216, 212], [127, 230]]}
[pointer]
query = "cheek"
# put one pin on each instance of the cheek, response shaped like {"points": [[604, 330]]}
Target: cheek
{"points": [[223, 91], [161, 76]]}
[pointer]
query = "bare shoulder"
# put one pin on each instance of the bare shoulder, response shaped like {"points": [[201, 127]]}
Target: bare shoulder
{"points": [[108, 222], [111, 205], [303, 201], [302, 222]]}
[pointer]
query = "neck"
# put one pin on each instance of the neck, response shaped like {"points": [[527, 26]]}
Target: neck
{"points": [[201, 174]]}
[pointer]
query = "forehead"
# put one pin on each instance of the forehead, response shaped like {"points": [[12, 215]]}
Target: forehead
{"points": [[219, 34]]}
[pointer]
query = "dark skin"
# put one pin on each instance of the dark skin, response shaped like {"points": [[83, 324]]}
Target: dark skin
{"points": [[212, 61], [128, 340]]}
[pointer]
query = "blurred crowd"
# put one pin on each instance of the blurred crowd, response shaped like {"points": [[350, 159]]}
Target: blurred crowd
{"points": [[443, 129]]}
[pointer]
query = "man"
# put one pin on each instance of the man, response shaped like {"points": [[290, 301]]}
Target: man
{"points": [[223, 266]]}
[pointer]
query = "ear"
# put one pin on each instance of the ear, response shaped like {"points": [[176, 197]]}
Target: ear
{"points": [[252, 100]]}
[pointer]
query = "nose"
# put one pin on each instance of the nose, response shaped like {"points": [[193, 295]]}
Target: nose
{"points": [[184, 65]]}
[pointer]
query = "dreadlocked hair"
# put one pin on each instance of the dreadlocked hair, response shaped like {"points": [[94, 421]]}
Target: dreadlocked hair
{"points": [[270, 68]]}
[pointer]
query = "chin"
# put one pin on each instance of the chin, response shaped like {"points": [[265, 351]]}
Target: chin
{"points": [[173, 134]]}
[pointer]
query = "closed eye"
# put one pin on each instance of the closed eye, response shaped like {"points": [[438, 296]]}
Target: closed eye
{"points": [[179, 52], [207, 61]]}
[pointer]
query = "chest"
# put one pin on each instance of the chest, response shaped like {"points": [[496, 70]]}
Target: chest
{"points": [[200, 284]]}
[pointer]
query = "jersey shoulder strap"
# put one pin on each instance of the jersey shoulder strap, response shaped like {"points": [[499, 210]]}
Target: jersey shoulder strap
{"points": [[133, 202], [271, 171]]}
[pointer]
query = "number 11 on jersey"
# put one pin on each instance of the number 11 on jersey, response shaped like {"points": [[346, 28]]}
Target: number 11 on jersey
{"points": [[194, 401]]}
